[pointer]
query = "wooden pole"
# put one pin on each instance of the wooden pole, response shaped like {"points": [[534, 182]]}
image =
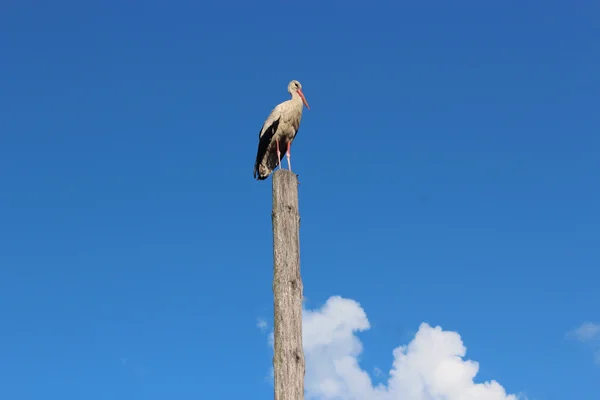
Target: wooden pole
{"points": [[288, 359]]}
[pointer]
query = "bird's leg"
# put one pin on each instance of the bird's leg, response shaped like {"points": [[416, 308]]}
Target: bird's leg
{"points": [[278, 153], [288, 155]]}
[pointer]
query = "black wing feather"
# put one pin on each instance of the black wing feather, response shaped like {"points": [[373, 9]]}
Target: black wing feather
{"points": [[263, 144]]}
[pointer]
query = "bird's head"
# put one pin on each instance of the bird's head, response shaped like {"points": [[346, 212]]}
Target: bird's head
{"points": [[296, 87]]}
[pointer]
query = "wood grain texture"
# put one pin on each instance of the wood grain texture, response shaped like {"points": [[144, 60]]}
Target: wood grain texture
{"points": [[288, 359]]}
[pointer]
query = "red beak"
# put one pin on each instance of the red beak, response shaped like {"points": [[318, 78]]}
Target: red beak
{"points": [[303, 98]]}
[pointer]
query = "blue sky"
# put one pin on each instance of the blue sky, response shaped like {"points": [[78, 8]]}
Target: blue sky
{"points": [[449, 175]]}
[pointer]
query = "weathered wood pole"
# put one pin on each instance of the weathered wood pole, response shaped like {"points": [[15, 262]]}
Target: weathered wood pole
{"points": [[288, 359]]}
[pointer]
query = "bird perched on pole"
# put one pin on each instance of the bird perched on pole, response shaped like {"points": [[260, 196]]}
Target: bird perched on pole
{"points": [[278, 132]]}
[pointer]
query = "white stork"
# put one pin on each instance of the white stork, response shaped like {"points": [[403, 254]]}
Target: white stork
{"points": [[278, 132]]}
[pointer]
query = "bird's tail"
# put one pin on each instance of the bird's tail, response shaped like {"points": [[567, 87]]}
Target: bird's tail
{"points": [[260, 174], [263, 170], [267, 164]]}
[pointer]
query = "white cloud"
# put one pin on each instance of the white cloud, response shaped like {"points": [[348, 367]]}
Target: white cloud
{"points": [[261, 324], [430, 367], [586, 332]]}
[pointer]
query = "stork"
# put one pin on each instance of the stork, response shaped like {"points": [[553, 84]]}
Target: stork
{"points": [[278, 132]]}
